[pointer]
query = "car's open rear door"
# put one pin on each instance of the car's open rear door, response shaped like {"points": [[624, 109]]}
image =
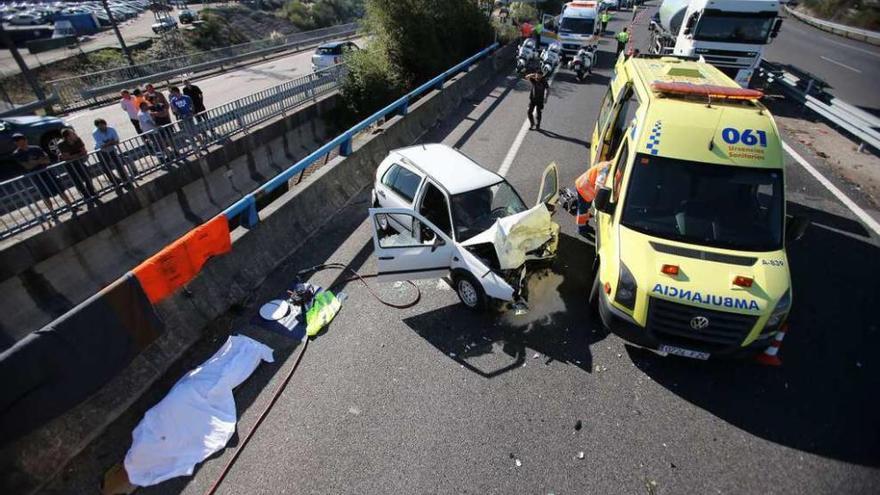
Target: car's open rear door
{"points": [[548, 193]]}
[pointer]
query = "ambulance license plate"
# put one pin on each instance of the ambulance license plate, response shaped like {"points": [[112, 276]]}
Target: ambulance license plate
{"points": [[678, 351]]}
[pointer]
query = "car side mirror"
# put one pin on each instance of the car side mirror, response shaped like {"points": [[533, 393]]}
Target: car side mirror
{"points": [[795, 228], [438, 241], [602, 201]]}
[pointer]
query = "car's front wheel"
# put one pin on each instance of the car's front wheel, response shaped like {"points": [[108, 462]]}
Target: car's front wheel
{"points": [[469, 291]]}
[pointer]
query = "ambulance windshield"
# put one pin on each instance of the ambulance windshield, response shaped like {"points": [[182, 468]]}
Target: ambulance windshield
{"points": [[577, 25], [712, 205]]}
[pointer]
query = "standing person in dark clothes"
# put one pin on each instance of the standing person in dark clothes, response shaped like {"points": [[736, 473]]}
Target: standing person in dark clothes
{"points": [[33, 159], [73, 151], [537, 95], [195, 93], [162, 117]]}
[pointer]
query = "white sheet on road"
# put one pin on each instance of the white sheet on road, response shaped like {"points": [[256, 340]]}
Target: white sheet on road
{"points": [[196, 418]]}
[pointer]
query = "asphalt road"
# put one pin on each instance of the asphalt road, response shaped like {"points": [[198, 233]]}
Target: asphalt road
{"points": [[435, 399], [850, 67], [218, 89]]}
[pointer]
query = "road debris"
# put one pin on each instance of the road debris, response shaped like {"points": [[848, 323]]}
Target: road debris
{"points": [[578, 425], [581, 455]]}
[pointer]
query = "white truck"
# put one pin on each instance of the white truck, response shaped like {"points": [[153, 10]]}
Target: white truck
{"points": [[729, 34], [574, 27]]}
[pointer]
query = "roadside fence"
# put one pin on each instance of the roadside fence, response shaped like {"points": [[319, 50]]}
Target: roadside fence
{"points": [[808, 91], [872, 37], [83, 90], [40, 197]]}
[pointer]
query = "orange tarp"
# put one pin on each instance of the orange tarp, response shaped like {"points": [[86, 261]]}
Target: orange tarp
{"points": [[181, 261]]}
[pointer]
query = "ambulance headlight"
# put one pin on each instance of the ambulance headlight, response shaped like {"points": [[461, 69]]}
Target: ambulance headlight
{"points": [[780, 311], [626, 288]]}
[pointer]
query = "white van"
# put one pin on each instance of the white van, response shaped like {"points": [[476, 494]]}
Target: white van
{"points": [[575, 27], [437, 212]]}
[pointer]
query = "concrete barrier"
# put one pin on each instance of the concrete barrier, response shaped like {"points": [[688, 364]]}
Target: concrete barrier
{"points": [[286, 225], [47, 274], [872, 37]]}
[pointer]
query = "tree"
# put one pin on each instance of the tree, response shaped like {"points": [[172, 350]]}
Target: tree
{"points": [[520, 12]]}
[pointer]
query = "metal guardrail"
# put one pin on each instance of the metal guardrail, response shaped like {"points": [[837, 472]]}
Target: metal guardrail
{"points": [[806, 90], [39, 197], [86, 89], [871, 37], [246, 207]]}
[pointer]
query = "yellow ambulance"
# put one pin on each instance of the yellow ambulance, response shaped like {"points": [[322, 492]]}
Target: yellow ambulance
{"points": [[690, 220]]}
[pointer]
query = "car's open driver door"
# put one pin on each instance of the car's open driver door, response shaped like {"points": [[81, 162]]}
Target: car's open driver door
{"points": [[401, 256], [549, 190]]}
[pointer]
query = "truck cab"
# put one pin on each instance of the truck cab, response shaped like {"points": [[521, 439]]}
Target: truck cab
{"points": [[729, 34], [690, 221]]}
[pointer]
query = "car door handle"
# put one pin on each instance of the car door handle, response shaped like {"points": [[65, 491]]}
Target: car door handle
{"points": [[381, 193], [386, 258]]}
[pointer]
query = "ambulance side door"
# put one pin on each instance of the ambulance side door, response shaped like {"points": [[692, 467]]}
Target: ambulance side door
{"points": [[613, 124], [606, 241]]}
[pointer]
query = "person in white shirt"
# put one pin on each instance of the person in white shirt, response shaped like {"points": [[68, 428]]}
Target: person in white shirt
{"points": [[129, 104]]}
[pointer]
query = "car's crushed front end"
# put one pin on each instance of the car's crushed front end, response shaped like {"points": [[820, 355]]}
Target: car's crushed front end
{"points": [[502, 256]]}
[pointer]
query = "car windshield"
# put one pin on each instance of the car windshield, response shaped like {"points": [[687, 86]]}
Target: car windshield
{"points": [[712, 205], [734, 29], [475, 211], [576, 25], [328, 50]]}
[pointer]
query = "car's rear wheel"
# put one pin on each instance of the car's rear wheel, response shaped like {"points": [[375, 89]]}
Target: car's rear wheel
{"points": [[469, 291]]}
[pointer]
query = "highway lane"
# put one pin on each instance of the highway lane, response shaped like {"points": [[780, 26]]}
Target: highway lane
{"points": [[851, 67], [218, 90], [435, 399]]}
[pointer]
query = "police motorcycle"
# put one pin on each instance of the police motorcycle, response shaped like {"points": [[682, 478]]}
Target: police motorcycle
{"points": [[550, 58], [582, 63], [526, 56]]}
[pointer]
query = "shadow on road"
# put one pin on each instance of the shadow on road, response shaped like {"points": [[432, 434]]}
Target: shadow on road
{"points": [[823, 400], [558, 327]]}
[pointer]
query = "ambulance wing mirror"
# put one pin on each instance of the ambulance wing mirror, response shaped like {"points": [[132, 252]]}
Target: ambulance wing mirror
{"points": [[602, 201], [795, 228]]}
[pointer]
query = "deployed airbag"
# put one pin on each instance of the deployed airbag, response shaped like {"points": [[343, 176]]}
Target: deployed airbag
{"points": [[518, 234]]}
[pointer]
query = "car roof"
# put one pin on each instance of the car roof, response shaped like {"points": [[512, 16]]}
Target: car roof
{"points": [[332, 44], [450, 168]]}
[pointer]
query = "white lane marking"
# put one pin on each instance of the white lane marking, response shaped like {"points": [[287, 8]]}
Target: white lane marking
{"points": [[840, 64], [853, 207], [868, 52], [520, 137]]}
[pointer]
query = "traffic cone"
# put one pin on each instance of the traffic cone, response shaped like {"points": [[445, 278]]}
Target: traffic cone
{"points": [[769, 357]]}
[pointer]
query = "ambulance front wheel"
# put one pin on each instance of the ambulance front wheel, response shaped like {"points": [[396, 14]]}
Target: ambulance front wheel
{"points": [[469, 291]]}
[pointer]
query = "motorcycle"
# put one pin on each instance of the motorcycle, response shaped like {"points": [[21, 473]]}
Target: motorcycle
{"points": [[550, 58], [583, 62], [526, 56]]}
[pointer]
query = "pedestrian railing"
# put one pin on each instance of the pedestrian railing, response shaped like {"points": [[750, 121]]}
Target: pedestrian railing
{"points": [[87, 89], [41, 197], [246, 207]]}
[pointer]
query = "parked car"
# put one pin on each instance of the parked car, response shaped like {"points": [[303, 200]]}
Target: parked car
{"points": [[437, 212], [25, 19], [330, 54], [164, 25], [188, 16], [42, 131]]}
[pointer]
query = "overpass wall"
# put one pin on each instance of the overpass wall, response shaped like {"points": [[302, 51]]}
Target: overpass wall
{"points": [[286, 225], [46, 275]]}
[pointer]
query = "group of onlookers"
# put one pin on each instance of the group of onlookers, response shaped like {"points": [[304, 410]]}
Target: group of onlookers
{"points": [[149, 112]]}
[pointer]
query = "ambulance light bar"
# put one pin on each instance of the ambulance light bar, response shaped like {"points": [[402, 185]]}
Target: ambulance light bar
{"points": [[707, 90]]}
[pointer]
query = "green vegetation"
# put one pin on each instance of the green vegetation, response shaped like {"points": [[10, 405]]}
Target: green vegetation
{"points": [[411, 41], [520, 12], [858, 13], [321, 13]]}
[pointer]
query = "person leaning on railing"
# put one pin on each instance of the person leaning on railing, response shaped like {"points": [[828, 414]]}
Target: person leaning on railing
{"points": [[72, 150], [34, 159], [106, 140]]}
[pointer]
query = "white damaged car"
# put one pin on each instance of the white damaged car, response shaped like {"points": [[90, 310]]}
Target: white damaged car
{"points": [[436, 212]]}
